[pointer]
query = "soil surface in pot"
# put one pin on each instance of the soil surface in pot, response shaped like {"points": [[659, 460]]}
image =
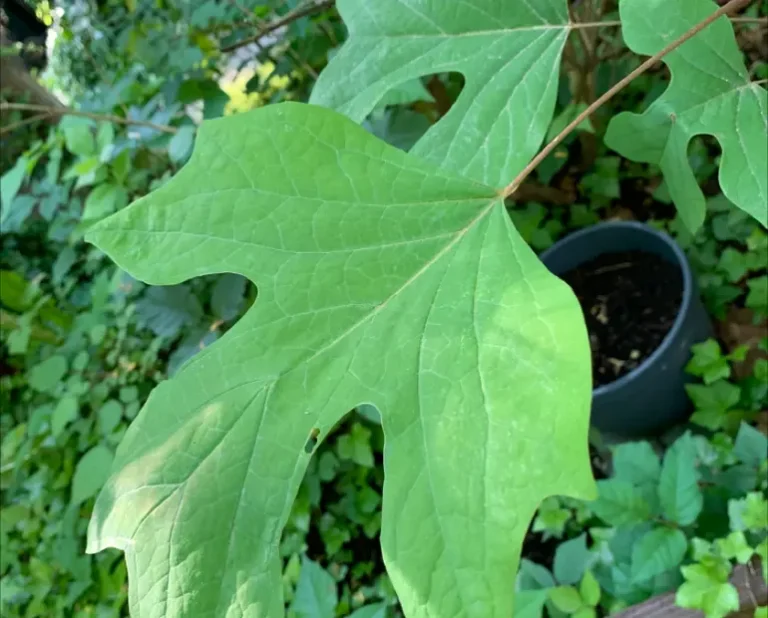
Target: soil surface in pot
{"points": [[630, 301]]}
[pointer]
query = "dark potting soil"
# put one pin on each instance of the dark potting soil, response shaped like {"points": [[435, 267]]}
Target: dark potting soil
{"points": [[630, 301]]}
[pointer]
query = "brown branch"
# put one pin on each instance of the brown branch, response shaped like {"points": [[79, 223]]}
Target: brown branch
{"points": [[23, 122], [66, 111], [749, 20], [312, 8], [731, 6], [535, 192]]}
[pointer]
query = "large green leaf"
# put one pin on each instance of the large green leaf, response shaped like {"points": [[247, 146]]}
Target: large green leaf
{"points": [[710, 93], [382, 279], [508, 52]]}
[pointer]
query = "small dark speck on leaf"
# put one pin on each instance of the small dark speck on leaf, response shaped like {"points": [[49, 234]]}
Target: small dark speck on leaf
{"points": [[312, 440]]}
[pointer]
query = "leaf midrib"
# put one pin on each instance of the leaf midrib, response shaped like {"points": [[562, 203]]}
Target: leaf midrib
{"points": [[479, 33]]}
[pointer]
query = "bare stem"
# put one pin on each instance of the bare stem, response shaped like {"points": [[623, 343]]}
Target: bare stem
{"points": [[67, 111], [311, 8], [21, 123], [750, 20], [731, 6]]}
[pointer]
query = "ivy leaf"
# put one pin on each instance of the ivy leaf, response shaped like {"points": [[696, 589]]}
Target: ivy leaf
{"points": [[316, 595], [658, 551], [749, 513], [734, 264], [708, 362], [708, 591], [735, 547], [551, 518], [713, 403], [508, 52], [382, 280], [356, 446], [720, 396], [679, 492], [710, 93]]}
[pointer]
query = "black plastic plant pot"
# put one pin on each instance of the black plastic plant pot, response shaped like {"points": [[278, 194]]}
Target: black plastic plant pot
{"points": [[651, 397]]}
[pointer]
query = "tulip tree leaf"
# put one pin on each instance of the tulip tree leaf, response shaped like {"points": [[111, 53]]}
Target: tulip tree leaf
{"points": [[381, 279], [710, 93], [508, 52]]}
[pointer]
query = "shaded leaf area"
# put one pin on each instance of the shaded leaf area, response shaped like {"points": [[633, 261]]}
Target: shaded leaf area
{"points": [[318, 218]]}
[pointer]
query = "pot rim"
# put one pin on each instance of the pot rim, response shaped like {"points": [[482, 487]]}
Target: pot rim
{"points": [[687, 294]]}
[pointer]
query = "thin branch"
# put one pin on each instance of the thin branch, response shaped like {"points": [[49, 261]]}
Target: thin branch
{"points": [[731, 6], [750, 20], [260, 24], [311, 8], [66, 111], [21, 123]]}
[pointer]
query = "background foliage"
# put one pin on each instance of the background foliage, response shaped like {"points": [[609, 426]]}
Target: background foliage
{"points": [[84, 344]]}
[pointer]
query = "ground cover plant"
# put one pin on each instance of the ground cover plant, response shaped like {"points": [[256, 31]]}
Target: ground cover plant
{"points": [[402, 288]]}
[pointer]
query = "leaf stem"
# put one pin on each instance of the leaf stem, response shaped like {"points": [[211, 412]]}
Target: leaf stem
{"points": [[731, 6], [68, 111]]}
